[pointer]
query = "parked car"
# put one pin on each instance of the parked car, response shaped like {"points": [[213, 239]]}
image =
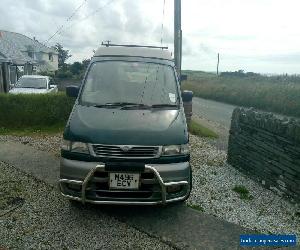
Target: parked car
{"points": [[126, 140], [34, 84]]}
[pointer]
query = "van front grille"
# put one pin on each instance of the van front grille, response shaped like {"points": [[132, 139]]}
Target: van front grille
{"points": [[125, 151]]}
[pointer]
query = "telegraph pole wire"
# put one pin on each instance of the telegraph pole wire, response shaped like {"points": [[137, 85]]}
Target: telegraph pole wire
{"points": [[68, 19], [162, 24], [88, 15]]}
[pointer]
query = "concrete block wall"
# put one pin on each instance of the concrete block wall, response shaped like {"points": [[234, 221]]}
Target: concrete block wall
{"points": [[267, 148]]}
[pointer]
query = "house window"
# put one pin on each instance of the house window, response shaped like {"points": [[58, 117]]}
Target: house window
{"points": [[51, 57]]}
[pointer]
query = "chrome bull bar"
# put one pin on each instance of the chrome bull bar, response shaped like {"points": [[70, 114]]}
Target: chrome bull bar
{"points": [[101, 167]]}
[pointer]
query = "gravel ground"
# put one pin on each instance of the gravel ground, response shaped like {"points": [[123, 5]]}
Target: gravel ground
{"points": [[213, 181], [33, 216], [48, 143]]}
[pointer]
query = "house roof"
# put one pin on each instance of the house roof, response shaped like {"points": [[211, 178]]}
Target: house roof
{"points": [[14, 47], [10, 53]]}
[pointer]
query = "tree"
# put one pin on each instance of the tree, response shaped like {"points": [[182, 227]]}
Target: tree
{"points": [[85, 63], [63, 55], [76, 68]]}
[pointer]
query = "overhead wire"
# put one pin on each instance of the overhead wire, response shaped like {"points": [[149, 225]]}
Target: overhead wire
{"points": [[67, 20], [87, 16]]}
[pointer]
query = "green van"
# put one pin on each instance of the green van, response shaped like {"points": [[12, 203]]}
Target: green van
{"points": [[126, 140]]}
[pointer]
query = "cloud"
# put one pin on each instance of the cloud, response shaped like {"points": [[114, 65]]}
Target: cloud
{"points": [[257, 35]]}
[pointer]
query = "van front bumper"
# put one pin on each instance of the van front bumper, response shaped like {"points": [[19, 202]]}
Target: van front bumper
{"points": [[159, 178]]}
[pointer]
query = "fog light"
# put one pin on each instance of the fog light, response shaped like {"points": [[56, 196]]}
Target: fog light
{"points": [[74, 186], [173, 189]]}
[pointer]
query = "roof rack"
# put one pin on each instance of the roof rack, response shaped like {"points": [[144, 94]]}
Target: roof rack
{"points": [[108, 44]]}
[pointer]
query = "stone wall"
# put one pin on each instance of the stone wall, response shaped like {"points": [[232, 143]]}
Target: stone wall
{"points": [[267, 148]]}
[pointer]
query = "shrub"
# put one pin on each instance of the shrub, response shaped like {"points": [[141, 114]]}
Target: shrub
{"points": [[25, 111], [64, 74], [47, 73]]}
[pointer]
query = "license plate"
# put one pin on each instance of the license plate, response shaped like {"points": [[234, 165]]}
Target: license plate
{"points": [[124, 181]]}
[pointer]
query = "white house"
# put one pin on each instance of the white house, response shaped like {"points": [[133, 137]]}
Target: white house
{"points": [[21, 55], [20, 49]]}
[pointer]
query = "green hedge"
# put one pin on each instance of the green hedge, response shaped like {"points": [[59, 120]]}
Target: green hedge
{"points": [[25, 111]]}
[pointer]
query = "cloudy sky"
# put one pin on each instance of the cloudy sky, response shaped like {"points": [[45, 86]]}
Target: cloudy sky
{"points": [[253, 35]]}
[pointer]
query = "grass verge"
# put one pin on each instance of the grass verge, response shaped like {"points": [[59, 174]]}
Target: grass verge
{"points": [[198, 129], [33, 131], [196, 207], [243, 192]]}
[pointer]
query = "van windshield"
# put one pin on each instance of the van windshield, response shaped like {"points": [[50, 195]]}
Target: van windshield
{"points": [[130, 82]]}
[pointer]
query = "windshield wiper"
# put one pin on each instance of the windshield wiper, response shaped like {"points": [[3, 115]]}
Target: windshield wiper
{"points": [[164, 105], [136, 106], [119, 104], [130, 105]]}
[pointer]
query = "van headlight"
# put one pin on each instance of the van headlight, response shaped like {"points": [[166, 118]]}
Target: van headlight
{"points": [[183, 149], [76, 147]]}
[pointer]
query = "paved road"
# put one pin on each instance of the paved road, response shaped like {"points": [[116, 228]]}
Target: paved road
{"points": [[178, 225], [215, 115], [217, 112]]}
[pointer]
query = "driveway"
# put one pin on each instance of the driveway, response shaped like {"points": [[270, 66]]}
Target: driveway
{"points": [[175, 226]]}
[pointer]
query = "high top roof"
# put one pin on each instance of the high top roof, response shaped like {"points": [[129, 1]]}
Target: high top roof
{"points": [[134, 52]]}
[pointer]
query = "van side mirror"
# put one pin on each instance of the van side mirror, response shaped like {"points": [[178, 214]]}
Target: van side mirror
{"points": [[187, 96], [183, 77], [72, 91]]}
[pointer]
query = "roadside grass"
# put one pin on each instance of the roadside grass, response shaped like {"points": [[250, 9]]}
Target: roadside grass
{"points": [[196, 207], [243, 192], [280, 94], [198, 129], [33, 131]]}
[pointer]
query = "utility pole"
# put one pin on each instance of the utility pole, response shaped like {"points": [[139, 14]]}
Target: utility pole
{"points": [[177, 36], [218, 64]]}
